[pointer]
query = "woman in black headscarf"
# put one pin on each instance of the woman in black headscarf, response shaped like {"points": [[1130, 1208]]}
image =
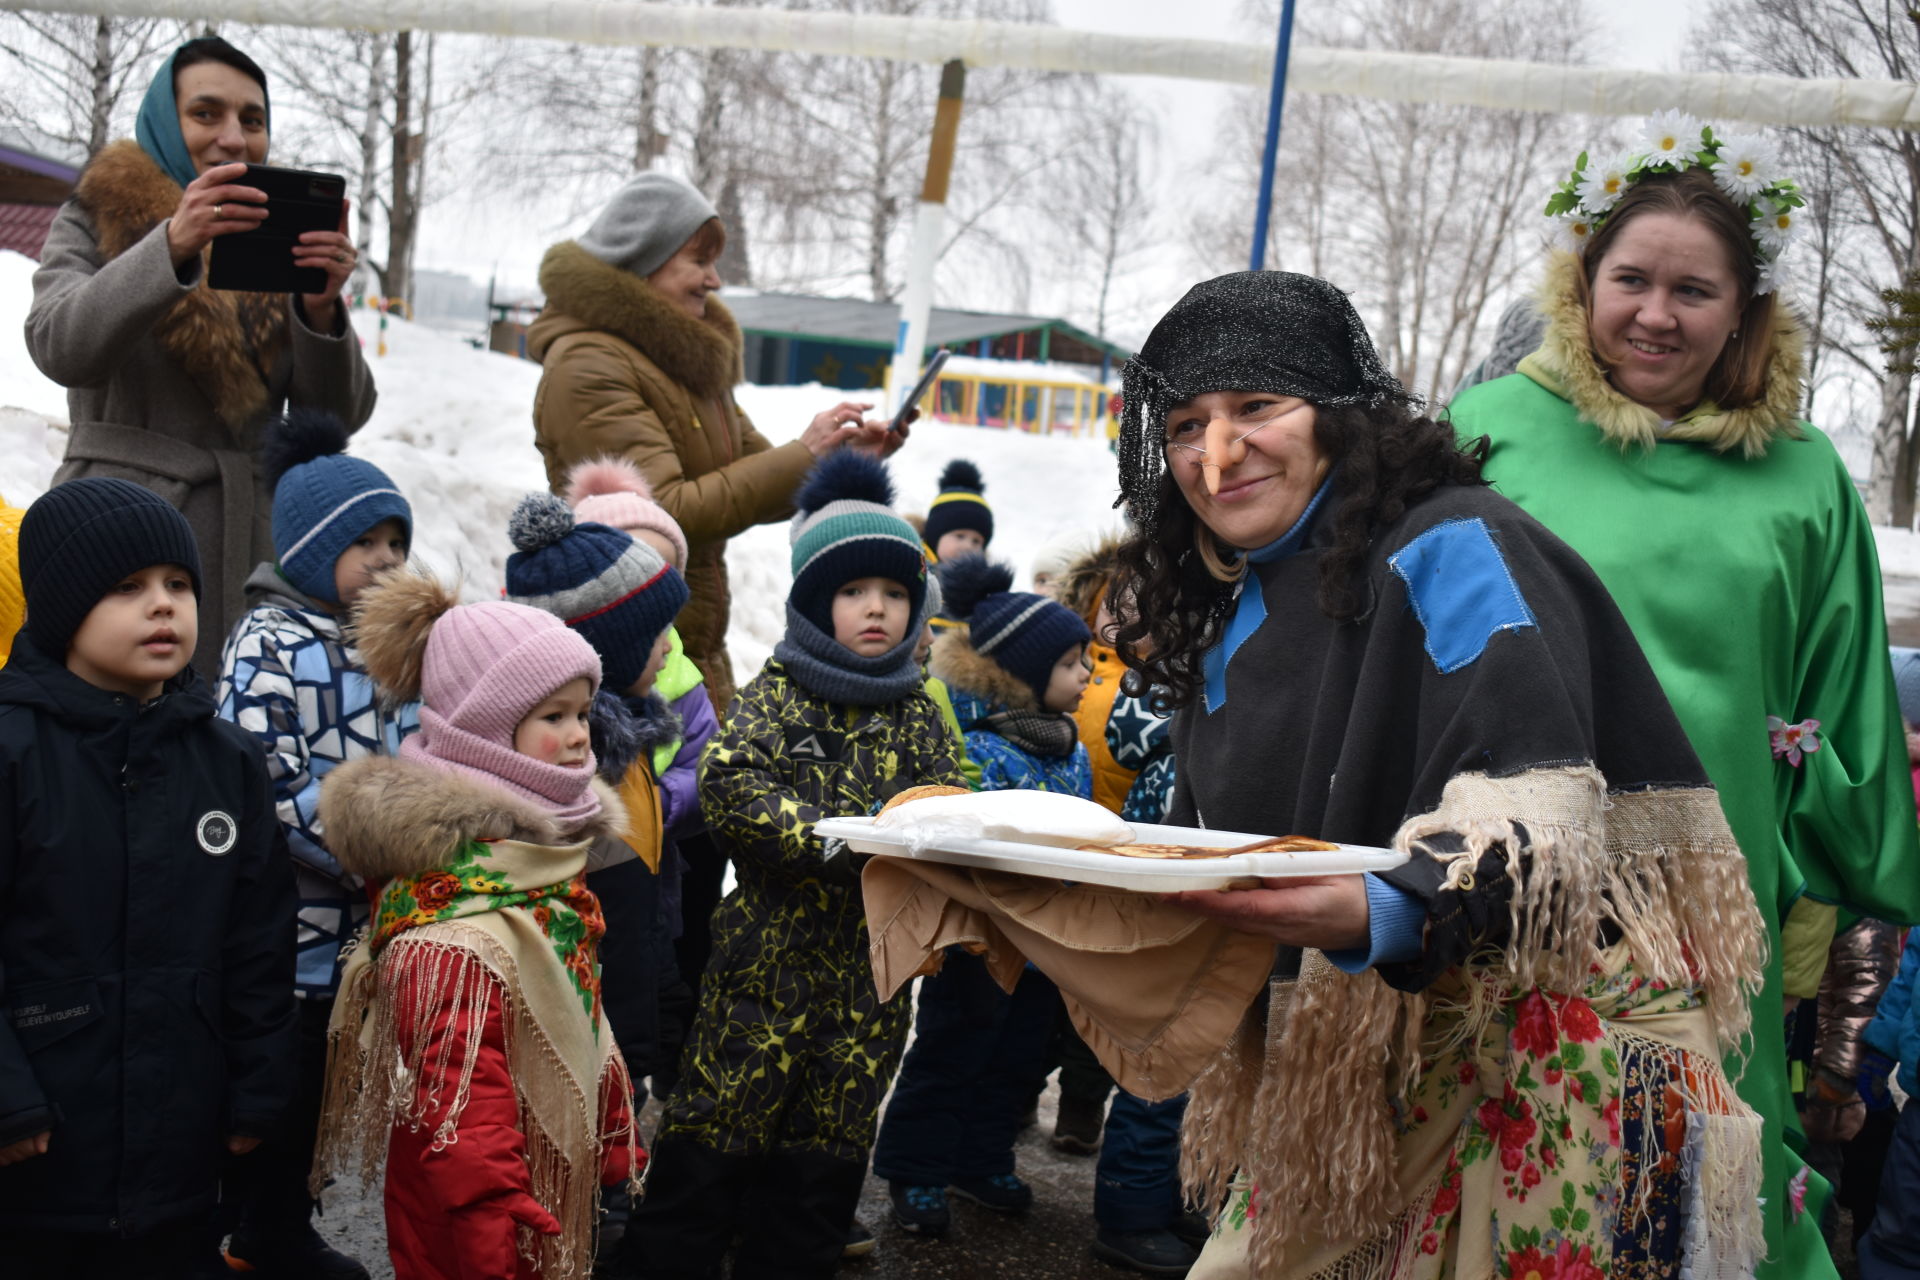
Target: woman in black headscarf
{"points": [[1504, 1057]]}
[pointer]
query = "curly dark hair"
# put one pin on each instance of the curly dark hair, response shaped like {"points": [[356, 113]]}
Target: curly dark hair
{"points": [[1389, 455]]}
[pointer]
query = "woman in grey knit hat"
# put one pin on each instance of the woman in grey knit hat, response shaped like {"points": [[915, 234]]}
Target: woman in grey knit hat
{"points": [[641, 359]]}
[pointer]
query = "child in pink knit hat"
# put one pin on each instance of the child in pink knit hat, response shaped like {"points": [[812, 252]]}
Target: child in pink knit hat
{"points": [[469, 1050], [612, 491]]}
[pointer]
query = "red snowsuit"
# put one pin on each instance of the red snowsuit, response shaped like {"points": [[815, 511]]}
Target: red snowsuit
{"points": [[454, 1213]]}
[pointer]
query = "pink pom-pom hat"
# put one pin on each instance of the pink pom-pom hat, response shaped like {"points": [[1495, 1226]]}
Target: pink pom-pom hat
{"points": [[612, 491]]}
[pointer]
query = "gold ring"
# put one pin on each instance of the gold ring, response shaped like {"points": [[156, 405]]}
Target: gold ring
{"points": [[218, 211]]}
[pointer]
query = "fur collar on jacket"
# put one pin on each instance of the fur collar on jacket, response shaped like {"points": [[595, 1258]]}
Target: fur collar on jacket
{"points": [[701, 355], [964, 668], [386, 817], [229, 343], [1571, 369]]}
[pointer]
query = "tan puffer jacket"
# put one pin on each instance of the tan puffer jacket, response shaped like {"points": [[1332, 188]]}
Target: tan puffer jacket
{"points": [[630, 375]]}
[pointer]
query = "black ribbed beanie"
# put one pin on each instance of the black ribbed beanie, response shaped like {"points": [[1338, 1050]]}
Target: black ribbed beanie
{"points": [[83, 537]]}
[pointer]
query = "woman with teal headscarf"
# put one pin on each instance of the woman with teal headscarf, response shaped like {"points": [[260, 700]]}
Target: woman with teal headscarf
{"points": [[170, 382]]}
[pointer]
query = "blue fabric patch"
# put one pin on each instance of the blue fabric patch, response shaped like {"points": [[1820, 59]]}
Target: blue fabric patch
{"points": [[1250, 608], [1250, 612], [1461, 590]]}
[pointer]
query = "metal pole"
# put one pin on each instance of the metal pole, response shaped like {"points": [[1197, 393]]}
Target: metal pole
{"points": [[929, 225], [1263, 203]]}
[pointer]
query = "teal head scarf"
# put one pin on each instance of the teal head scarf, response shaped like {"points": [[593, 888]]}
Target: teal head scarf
{"points": [[158, 126]]}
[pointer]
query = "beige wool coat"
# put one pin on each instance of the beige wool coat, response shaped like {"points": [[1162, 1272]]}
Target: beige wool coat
{"points": [[170, 383], [628, 374]]}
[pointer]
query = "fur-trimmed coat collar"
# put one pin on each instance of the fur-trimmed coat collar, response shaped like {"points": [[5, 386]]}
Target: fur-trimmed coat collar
{"points": [[1566, 365], [964, 668], [702, 355], [228, 342], [387, 817]]}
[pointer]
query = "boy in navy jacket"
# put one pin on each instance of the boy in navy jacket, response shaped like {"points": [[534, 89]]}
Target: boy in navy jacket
{"points": [[146, 905]]}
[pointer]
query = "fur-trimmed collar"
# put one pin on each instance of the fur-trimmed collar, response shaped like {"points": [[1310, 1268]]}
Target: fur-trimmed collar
{"points": [[964, 668], [702, 355], [228, 342], [386, 817], [1566, 365]]}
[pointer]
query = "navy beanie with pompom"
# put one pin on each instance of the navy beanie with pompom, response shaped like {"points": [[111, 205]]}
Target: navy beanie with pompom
{"points": [[961, 504], [323, 500], [615, 590], [1025, 634], [846, 530]]}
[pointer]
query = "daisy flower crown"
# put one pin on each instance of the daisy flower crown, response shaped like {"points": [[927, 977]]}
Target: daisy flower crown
{"points": [[1744, 166]]}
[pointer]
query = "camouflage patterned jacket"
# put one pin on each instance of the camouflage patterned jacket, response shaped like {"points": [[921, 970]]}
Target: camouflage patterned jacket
{"points": [[788, 1008]]}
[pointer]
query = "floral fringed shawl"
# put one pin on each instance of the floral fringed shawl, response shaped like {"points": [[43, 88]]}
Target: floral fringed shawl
{"points": [[492, 915]]}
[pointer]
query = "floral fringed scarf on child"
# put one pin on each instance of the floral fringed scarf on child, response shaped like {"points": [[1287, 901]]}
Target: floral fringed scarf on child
{"points": [[482, 894]]}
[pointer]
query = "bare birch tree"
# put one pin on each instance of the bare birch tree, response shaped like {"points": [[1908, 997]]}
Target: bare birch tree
{"points": [[76, 79], [367, 104], [1866, 207], [1428, 214]]}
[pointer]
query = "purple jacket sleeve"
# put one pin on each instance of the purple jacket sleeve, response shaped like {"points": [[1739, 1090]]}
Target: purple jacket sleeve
{"points": [[680, 781]]}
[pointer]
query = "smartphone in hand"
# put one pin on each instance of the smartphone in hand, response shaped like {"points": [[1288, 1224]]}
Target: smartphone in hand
{"points": [[920, 389]]}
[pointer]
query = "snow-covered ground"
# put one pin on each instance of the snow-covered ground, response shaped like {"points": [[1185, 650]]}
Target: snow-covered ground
{"points": [[454, 428]]}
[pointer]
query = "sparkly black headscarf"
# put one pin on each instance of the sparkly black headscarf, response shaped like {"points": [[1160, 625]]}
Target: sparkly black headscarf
{"points": [[1250, 331]]}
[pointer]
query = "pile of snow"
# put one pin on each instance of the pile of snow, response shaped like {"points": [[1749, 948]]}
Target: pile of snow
{"points": [[454, 428], [1899, 552]]}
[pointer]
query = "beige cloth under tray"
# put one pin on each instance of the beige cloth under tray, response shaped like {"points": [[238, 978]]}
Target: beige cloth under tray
{"points": [[1155, 989]]}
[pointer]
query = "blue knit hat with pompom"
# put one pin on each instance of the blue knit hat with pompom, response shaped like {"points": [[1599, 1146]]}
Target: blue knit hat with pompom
{"points": [[615, 590], [323, 500], [1023, 633], [847, 530]]}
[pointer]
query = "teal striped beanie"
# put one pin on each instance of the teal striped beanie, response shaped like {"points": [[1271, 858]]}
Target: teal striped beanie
{"points": [[846, 530]]}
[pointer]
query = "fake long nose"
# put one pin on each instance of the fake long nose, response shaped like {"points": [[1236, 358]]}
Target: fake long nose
{"points": [[1223, 451]]}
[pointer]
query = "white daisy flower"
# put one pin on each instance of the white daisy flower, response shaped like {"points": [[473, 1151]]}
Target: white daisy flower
{"points": [[1745, 167], [1673, 138], [1604, 182], [1775, 227], [1571, 231], [1772, 276]]}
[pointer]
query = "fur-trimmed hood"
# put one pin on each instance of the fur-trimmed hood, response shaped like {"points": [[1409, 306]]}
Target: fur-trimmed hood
{"points": [[1083, 583], [964, 669], [228, 342], [387, 817], [1566, 365], [584, 293]]}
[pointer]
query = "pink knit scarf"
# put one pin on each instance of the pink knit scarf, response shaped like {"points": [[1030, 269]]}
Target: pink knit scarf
{"points": [[565, 791]]}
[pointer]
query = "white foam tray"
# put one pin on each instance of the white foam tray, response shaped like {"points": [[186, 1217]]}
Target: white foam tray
{"points": [[1148, 875]]}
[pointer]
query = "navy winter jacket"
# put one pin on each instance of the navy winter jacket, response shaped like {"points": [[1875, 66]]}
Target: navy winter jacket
{"points": [[146, 949]]}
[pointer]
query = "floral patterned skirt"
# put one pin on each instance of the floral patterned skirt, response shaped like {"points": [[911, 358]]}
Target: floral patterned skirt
{"points": [[1589, 1137]]}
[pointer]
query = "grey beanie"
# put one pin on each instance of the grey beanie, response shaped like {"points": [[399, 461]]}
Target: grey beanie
{"points": [[646, 222]]}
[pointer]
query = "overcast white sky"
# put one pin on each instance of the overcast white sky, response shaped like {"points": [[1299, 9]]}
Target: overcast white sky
{"points": [[477, 239]]}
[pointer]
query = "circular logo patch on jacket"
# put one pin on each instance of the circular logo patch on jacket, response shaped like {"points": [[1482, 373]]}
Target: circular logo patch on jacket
{"points": [[216, 832]]}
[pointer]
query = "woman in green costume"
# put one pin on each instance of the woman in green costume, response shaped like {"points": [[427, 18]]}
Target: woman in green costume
{"points": [[1656, 430]]}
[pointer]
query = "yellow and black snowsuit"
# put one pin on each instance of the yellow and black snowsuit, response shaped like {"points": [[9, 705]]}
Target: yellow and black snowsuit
{"points": [[791, 1051]]}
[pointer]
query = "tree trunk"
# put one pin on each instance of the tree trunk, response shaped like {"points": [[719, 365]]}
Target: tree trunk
{"points": [[100, 118], [370, 152], [1903, 495], [736, 264], [1889, 445], [647, 139], [403, 213]]}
